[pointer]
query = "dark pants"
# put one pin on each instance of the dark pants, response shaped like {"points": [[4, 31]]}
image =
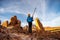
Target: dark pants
{"points": [[0, 28], [30, 27]]}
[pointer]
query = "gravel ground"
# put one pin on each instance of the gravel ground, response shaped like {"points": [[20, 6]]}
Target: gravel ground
{"points": [[5, 34]]}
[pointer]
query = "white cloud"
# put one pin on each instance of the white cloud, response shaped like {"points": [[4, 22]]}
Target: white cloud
{"points": [[13, 9], [28, 6], [24, 24], [1, 10], [56, 21], [53, 23]]}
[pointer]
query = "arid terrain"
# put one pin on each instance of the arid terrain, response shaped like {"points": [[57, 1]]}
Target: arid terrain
{"points": [[13, 31], [12, 34]]}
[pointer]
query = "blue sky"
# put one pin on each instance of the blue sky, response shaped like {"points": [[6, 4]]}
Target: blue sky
{"points": [[48, 11]]}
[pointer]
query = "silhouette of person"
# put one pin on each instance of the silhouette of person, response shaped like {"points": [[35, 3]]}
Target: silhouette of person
{"points": [[29, 20], [0, 21], [0, 24]]}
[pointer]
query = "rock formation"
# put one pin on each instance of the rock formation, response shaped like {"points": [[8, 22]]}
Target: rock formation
{"points": [[5, 24], [16, 24], [14, 21], [39, 25]]}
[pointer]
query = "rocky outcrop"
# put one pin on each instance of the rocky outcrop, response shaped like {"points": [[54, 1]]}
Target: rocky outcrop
{"points": [[14, 21], [39, 26], [5, 24]]}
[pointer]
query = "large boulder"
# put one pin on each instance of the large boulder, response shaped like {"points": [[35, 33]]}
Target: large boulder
{"points": [[14, 21], [5, 24], [39, 26]]}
